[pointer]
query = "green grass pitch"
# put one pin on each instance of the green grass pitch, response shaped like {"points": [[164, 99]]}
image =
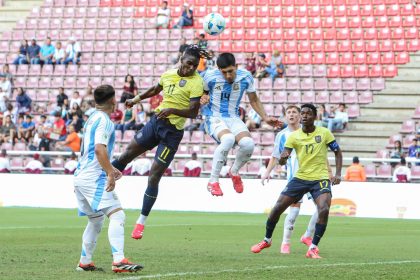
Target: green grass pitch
{"points": [[45, 244]]}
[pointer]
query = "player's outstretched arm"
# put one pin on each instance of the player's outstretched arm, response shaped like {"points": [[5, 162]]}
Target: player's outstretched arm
{"points": [[284, 156], [266, 176], [152, 91], [338, 166], [259, 108], [102, 156], [191, 112]]}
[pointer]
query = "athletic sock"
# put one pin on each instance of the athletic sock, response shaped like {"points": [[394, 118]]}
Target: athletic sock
{"points": [[311, 226], [117, 164], [220, 156], [289, 223], [116, 235], [142, 219], [246, 147], [269, 228], [319, 232], [90, 236], [149, 198]]}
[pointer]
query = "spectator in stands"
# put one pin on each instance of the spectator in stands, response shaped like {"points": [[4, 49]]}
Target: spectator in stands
{"points": [[87, 97], [182, 47], [23, 102], [33, 52], [6, 72], [59, 128], [155, 102], [130, 89], [193, 167], [254, 120], [34, 166], [211, 61], [402, 174], [141, 117], [262, 64], [4, 162], [59, 54], [5, 87], [322, 117], [202, 42], [71, 165], [7, 130], [75, 118], [413, 150], [250, 63], [27, 129], [163, 16], [72, 142], [141, 166], [47, 52], [128, 120], [275, 68], [42, 133], [397, 152], [75, 99], [9, 112], [73, 52], [62, 99], [116, 116], [355, 172], [186, 18], [339, 119], [23, 56], [4, 95]]}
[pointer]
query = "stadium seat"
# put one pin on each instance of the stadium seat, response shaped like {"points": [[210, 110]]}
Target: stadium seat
{"points": [[415, 171], [267, 138], [384, 171], [408, 126], [349, 84], [308, 97], [363, 84], [416, 114], [353, 111], [280, 97], [370, 170]]}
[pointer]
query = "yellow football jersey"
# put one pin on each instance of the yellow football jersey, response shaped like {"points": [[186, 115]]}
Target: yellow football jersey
{"points": [[177, 92], [311, 150]]}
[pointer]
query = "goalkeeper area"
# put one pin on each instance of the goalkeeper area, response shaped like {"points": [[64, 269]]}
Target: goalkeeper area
{"points": [[45, 244]]}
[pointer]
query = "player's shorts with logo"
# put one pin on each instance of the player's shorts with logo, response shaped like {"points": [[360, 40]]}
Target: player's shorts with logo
{"points": [[161, 133], [213, 126], [91, 200], [297, 188]]}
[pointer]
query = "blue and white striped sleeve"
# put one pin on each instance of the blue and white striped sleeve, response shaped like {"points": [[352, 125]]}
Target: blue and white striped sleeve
{"points": [[104, 131], [278, 145], [251, 85]]}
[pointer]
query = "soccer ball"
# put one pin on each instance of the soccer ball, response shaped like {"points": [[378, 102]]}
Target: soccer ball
{"points": [[214, 24]]}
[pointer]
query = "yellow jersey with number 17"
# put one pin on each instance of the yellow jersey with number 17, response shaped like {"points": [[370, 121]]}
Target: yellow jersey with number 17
{"points": [[177, 92], [311, 150]]}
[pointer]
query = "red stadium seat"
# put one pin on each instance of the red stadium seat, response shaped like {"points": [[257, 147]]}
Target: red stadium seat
{"points": [[377, 84], [370, 170], [390, 71], [365, 97], [322, 97], [384, 171], [408, 126], [353, 111]]}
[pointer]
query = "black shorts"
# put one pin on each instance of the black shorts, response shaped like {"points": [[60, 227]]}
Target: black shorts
{"points": [[161, 133], [298, 187]]}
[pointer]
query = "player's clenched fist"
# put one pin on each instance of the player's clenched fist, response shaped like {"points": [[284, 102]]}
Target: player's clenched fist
{"points": [[204, 99], [129, 103], [274, 122], [111, 183]]}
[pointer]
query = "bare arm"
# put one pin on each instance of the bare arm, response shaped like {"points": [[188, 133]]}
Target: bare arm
{"points": [[152, 91], [102, 156], [338, 166], [191, 112], [285, 156], [259, 108], [270, 167]]}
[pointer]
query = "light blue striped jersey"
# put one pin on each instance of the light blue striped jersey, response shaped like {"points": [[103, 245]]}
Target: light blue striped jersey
{"points": [[225, 97], [292, 164], [99, 129]]}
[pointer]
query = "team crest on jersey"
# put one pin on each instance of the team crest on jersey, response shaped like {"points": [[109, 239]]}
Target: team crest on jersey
{"points": [[182, 83], [218, 87], [235, 86], [318, 139]]}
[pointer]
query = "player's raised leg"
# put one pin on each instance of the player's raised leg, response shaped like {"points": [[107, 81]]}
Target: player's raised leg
{"points": [[243, 155], [281, 205], [289, 225]]}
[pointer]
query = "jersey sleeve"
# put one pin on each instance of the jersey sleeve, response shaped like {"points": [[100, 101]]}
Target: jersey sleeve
{"points": [[198, 88], [290, 142], [251, 85], [103, 132], [162, 79], [278, 145]]}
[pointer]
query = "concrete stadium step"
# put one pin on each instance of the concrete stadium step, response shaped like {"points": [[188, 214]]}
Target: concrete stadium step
{"points": [[368, 124], [392, 97], [388, 110], [23, 3], [12, 11], [375, 138]]}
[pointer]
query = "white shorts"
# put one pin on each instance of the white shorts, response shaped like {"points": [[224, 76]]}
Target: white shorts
{"points": [[91, 201], [213, 126]]}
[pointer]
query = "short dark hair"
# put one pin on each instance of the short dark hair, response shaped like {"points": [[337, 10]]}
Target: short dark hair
{"points": [[103, 93], [194, 155], [403, 161], [293, 106], [196, 52], [342, 104], [225, 60], [202, 35], [28, 116], [165, 2], [356, 160], [3, 152], [310, 106]]}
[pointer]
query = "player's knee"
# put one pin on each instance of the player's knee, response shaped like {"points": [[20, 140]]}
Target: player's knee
{"points": [[227, 140], [154, 180], [323, 211], [98, 221], [118, 216], [247, 144]]}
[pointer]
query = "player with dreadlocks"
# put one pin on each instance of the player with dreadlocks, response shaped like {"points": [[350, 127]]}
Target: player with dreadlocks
{"points": [[182, 90]]}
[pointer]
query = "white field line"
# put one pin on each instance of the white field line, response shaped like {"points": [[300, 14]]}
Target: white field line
{"points": [[215, 272]]}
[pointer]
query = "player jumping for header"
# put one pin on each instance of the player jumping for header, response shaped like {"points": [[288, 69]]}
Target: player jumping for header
{"points": [[310, 143], [182, 89], [225, 87]]}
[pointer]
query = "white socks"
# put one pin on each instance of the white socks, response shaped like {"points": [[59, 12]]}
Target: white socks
{"points": [[116, 235], [89, 238], [142, 219], [246, 147], [311, 226], [289, 223], [220, 155]]}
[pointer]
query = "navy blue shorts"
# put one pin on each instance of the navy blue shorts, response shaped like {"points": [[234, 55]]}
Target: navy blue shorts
{"points": [[161, 133], [298, 187]]}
